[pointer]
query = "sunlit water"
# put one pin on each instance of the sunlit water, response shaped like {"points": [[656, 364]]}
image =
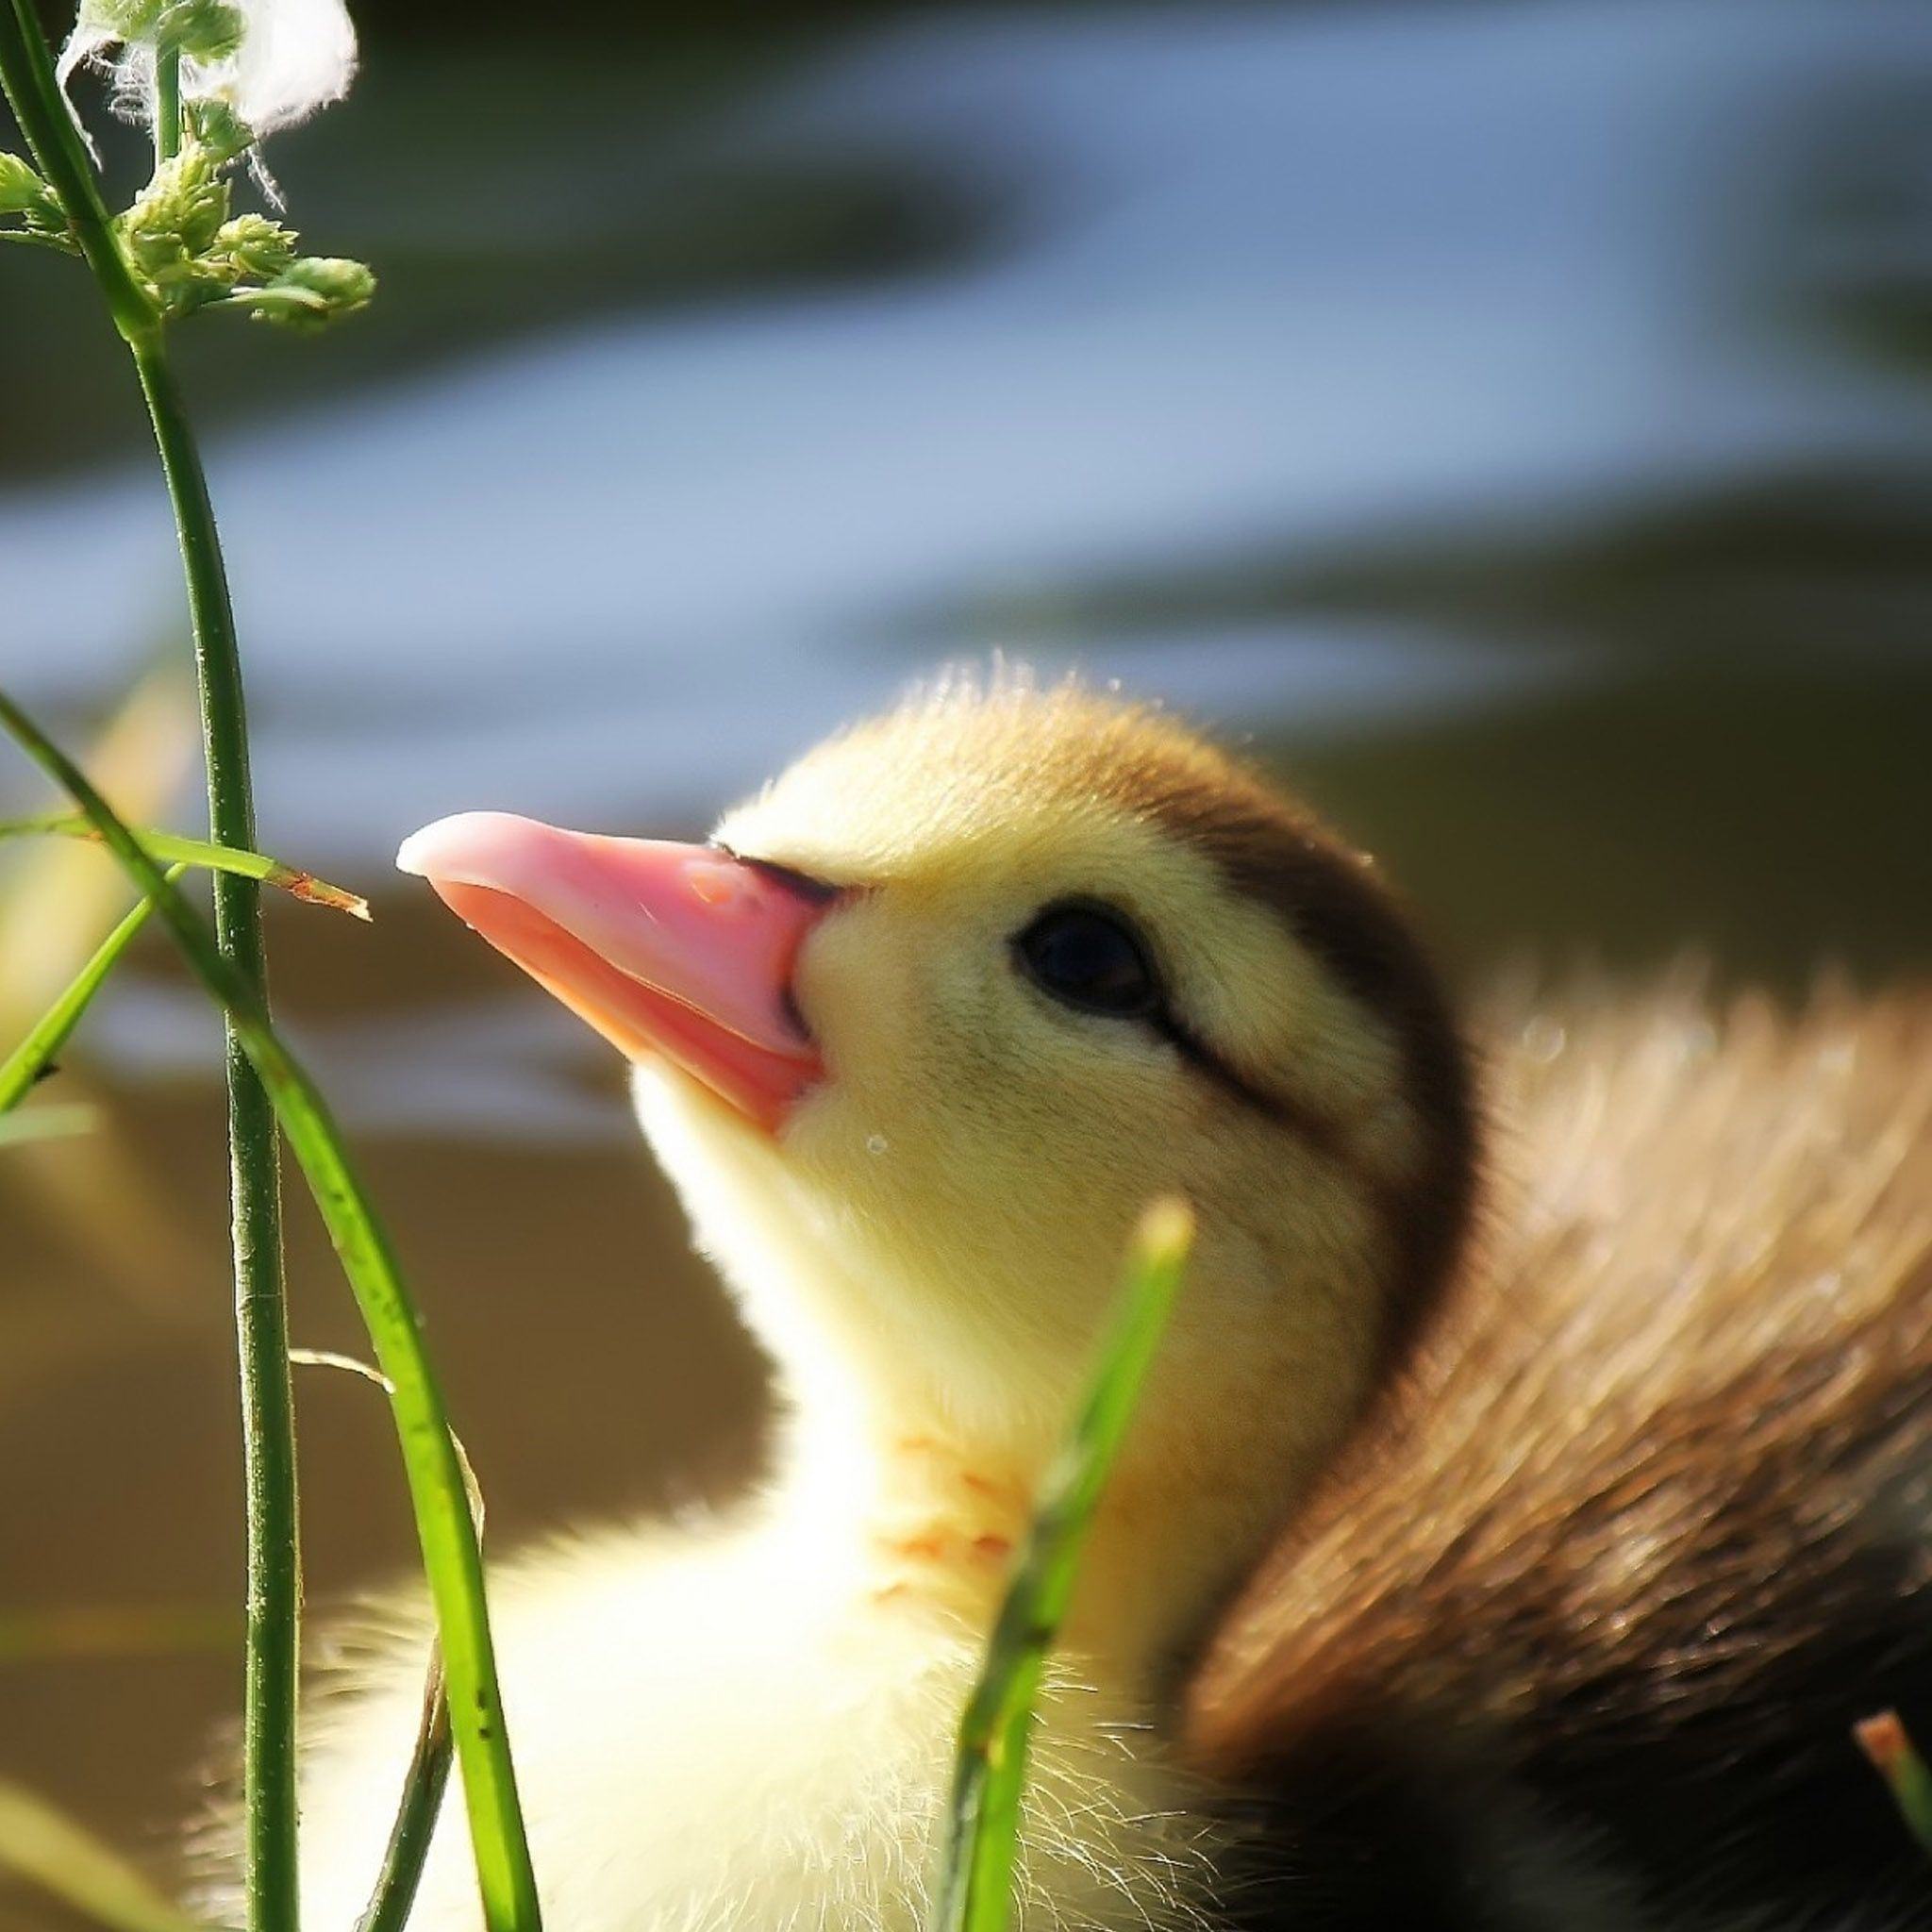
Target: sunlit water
{"points": [[1254, 293]]}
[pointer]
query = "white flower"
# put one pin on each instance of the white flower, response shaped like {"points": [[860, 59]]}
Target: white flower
{"points": [[273, 61]]}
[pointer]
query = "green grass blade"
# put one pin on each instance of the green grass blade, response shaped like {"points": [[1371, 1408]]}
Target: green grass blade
{"points": [[168, 847], [1887, 1743], [414, 1824], [975, 1892], [452, 1557], [31, 1059], [46, 1847], [394, 1894]]}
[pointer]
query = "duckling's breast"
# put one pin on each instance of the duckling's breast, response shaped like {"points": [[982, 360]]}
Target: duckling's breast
{"points": [[739, 1729]]}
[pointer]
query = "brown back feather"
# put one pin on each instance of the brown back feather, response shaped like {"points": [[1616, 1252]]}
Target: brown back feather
{"points": [[1659, 1478]]}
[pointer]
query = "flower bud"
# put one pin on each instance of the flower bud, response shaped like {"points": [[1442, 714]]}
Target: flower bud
{"points": [[255, 248], [314, 291], [178, 212]]}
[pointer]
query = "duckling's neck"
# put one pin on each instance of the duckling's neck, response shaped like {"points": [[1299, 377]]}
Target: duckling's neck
{"points": [[933, 1516], [923, 1491]]}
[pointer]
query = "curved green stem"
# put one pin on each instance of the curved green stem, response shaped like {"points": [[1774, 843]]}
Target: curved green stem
{"points": [[393, 1895], [439, 1494], [274, 1588], [26, 75], [25, 1065], [264, 1082], [976, 1881]]}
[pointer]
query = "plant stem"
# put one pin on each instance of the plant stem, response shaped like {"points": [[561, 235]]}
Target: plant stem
{"points": [[27, 76], [976, 1882], [439, 1487], [393, 1895], [167, 104], [274, 1593], [268, 1419]]}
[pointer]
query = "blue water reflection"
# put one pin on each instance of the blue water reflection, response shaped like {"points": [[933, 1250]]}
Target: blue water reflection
{"points": [[1254, 286]]}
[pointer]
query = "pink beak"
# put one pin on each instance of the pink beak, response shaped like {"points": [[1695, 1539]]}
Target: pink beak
{"points": [[677, 950]]}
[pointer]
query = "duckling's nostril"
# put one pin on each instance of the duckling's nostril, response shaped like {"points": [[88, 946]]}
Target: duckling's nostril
{"points": [[814, 892]]}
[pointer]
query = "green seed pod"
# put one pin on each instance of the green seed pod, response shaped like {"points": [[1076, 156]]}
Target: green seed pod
{"points": [[315, 291]]}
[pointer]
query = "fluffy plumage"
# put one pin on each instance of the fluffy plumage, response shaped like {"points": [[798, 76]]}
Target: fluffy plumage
{"points": [[1622, 1498], [1590, 1607]]}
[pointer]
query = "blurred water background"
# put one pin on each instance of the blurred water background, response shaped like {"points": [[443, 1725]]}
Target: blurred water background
{"points": [[1514, 417]]}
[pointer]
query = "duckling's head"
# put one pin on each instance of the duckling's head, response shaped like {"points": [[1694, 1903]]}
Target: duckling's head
{"points": [[945, 1005]]}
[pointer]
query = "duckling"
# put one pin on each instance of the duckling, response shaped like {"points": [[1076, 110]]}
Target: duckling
{"points": [[917, 1036]]}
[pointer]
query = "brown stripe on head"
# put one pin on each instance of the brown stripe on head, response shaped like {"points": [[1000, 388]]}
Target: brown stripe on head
{"points": [[1333, 903]]}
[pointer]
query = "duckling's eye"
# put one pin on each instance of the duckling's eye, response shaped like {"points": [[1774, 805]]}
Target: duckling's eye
{"points": [[1091, 960]]}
